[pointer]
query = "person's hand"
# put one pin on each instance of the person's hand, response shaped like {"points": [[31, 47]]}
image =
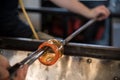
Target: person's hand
{"points": [[4, 64], [4, 74], [21, 73], [100, 10]]}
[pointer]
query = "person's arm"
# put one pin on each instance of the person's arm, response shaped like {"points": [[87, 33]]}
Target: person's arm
{"points": [[79, 8], [4, 64]]}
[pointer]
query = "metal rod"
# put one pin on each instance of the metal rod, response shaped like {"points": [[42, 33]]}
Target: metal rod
{"points": [[29, 60], [32, 54], [71, 49], [38, 55], [65, 41]]}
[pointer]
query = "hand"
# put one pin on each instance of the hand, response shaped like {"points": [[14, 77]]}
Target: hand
{"points": [[4, 74], [21, 73], [4, 64], [100, 10]]}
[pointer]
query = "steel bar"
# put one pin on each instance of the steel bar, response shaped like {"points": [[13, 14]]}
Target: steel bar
{"points": [[71, 49], [66, 40], [48, 10], [94, 51], [28, 60]]}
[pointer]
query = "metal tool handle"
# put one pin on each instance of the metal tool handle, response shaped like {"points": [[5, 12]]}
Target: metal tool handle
{"points": [[29, 60], [12, 70]]}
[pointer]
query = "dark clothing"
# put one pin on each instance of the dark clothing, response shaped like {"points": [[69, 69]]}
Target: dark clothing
{"points": [[10, 24]]}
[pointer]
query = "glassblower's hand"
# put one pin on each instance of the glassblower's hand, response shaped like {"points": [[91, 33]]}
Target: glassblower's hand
{"points": [[4, 74]]}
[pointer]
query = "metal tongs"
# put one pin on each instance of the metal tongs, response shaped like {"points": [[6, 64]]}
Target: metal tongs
{"points": [[36, 54], [28, 60]]}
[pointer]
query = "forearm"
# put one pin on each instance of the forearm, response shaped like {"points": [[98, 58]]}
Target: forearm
{"points": [[74, 6]]}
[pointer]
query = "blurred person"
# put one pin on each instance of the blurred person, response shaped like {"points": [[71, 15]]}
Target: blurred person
{"points": [[12, 26], [77, 7]]}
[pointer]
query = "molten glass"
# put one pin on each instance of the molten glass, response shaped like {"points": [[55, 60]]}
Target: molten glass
{"points": [[53, 53]]}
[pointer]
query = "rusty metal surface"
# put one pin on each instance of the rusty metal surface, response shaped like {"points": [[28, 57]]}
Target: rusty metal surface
{"points": [[74, 49]]}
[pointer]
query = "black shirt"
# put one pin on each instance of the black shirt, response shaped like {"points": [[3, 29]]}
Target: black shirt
{"points": [[10, 24]]}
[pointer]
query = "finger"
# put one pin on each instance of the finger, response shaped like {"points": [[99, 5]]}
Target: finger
{"points": [[101, 18], [21, 73], [106, 11], [104, 15], [4, 62], [24, 68]]}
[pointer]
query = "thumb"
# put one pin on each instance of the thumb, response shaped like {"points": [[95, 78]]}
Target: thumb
{"points": [[4, 74]]}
